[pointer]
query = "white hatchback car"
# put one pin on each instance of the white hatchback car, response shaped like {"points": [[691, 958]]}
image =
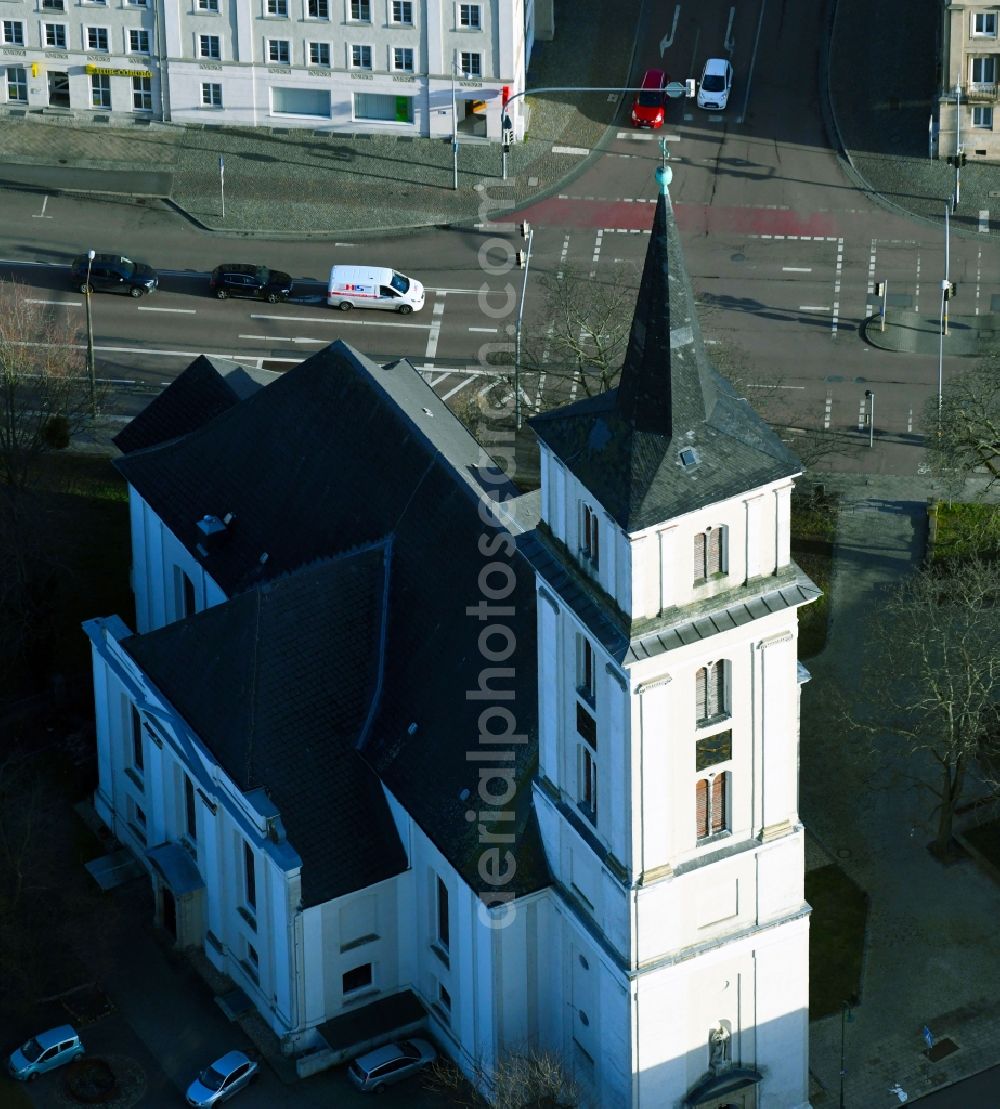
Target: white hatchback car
{"points": [[716, 84]]}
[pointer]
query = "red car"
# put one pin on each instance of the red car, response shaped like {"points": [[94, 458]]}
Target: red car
{"points": [[648, 108]]}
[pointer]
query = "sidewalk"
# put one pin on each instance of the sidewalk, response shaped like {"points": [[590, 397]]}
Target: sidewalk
{"points": [[912, 332], [298, 182], [931, 954]]}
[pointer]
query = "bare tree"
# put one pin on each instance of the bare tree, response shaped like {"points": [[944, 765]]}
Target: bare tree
{"points": [[581, 334], [520, 1080], [963, 438], [934, 681], [44, 394]]}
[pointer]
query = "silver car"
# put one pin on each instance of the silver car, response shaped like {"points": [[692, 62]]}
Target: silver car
{"points": [[45, 1052], [391, 1063], [221, 1079], [716, 84]]}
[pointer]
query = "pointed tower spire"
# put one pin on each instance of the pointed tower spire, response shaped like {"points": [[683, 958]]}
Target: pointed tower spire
{"points": [[626, 445]]}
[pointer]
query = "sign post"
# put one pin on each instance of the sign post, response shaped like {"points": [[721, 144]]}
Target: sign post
{"points": [[222, 183]]}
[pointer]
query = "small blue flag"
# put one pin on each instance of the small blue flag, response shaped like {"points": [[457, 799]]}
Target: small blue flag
{"points": [[928, 1036]]}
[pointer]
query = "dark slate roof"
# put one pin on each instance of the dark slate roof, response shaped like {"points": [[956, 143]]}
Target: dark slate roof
{"points": [[341, 452], [624, 445], [207, 387], [280, 683]]}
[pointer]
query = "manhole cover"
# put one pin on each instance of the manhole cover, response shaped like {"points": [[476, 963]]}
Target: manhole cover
{"points": [[737, 257]]}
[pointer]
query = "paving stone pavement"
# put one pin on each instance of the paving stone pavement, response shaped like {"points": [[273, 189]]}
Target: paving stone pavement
{"points": [[931, 954]]}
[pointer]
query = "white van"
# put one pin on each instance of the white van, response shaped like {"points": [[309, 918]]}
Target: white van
{"points": [[373, 287]]}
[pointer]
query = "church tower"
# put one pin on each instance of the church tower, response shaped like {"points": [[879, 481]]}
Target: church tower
{"points": [[676, 939]]}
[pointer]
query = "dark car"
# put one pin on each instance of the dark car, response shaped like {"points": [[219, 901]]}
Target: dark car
{"points": [[257, 282], [113, 273]]}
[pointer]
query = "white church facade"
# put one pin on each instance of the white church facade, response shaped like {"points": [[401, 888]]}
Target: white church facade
{"points": [[517, 769]]}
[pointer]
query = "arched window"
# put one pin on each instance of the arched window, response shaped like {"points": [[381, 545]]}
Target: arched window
{"points": [[711, 692], [711, 796], [709, 553]]}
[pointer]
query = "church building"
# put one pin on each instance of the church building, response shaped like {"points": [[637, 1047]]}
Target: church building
{"points": [[403, 747]]}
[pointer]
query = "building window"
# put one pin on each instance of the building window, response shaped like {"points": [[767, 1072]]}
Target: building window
{"points": [[318, 9], [53, 5], [470, 17], [279, 51], [252, 957], [587, 785], [360, 978], [710, 805], [984, 23], [984, 70], [982, 118], [97, 39], [319, 54], [361, 11], [211, 95], [361, 57], [712, 750], [471, 64], [138, 42], [443, 920], [444, 998], [249, 877], [55, 36], [711, 692], [208, 5], [17, 84], [590, 528], [136, 816], [585, 668], [138, 763], [13, 32], [142, 94], [190, 810], [708, 554], [136, 3], [278, 8], [402, 11], [402, 59], [208, 46]]}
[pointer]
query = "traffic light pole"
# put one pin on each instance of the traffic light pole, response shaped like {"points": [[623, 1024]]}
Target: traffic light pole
{"points": [[674, 90]]}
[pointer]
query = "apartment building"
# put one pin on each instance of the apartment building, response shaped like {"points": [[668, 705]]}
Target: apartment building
{"points": [[970, 54], [418, 67]]}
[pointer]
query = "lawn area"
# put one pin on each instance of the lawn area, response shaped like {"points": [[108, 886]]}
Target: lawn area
{"points": [[836, 940], [958, 530], [814, 525]]}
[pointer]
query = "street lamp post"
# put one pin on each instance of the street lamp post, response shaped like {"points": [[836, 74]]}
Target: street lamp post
{"points": [[870, 397], [90, 341], [454, 123], [958, 143], [529, 234]]}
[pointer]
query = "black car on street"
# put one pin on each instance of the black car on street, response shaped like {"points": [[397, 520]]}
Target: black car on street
{"points": [[113, 274], [256, 282]]}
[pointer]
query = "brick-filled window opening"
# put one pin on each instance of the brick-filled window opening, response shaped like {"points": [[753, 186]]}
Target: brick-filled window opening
{"points": [[138, 760], [588, 782], [360, 978], [443, 922], [190, 810], [249, 877], [590, 536], [711, 692], [711, 798], [708, 554]]}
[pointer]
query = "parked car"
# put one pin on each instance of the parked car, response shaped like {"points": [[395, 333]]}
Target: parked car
{"points": [[392, 1063], [114, 274], [45, 1052], [258, 282], [373, 287], [648, 108], [716, 84], [223, 1078]]}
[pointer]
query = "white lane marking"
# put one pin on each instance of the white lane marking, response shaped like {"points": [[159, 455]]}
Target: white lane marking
{"points": [[638, 136], [179, 311], [827, 410], [284, 339], [41, 214], [435, 331], [979, 274], [491, 330], [727, 42], [862, 413], [836, 288], [458, 388], [668, 38], [871, 279], [597, 252], [473, 292], [797, 269], [56, 303], [753, 61], [909, 422], [562, 258], [339, 318], [570, 150], [814, 307], [984, 221], [916, 292], [344, 244]]}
